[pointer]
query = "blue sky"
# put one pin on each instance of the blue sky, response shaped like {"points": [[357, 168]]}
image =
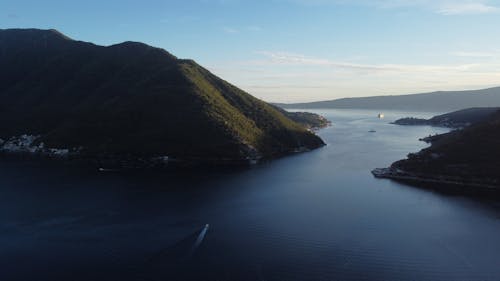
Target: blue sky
{"points": [[297, 50]]}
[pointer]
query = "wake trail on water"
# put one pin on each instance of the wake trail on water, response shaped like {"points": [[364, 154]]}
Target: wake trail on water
{"points": [[199, 240]]}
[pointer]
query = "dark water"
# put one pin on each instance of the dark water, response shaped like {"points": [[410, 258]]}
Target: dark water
{"points": [[312, 216]]}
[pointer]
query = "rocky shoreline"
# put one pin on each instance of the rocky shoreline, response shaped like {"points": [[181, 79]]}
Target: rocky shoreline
{"points": [[455, 120], [29, 144], [30, 147], [441, 182]]}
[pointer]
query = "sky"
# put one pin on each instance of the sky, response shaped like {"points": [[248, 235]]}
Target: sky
{"points": [[297, 50]]}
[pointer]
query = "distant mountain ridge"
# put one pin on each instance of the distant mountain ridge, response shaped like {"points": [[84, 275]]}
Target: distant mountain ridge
{"points": [[130, 100], [443, 101]]}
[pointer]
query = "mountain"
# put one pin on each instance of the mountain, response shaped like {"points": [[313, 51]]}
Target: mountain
{"points": [[428, 102], [456, 119], [130, 100], [468, 159]]}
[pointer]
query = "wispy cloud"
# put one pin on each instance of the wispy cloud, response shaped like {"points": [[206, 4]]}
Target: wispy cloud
{"points": [[230, 30], [184, 19], [297, 59], [466, 54], [443, 7], [254, 28], [241, 29], [286, 76], [467, 8]]}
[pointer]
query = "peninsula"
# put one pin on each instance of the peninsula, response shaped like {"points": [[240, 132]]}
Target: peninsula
{"points": [[465, 160], [130, 101]]}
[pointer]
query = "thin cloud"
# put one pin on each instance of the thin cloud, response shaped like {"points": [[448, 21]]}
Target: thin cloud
{"points": [[443, 7], [476, 54], [296, 59], [230, 30], [234, 30], [468, 8], [254, 28], [286, 76]]}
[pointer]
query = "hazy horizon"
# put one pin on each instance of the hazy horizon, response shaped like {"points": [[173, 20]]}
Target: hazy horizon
{"points": [[387, 95], [295, 50]]}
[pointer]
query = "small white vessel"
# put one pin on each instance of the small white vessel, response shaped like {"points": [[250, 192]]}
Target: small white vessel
{"points": [[199, 239], [106, 170], [381, 116]]}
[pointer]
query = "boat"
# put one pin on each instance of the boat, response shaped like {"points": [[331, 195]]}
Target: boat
{"points": [[381, 116], [101, 169], [372, 131], [199, 239]]}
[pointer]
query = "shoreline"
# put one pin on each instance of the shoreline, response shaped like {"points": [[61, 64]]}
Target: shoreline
{"points": [[438, 182], [107, 162]]}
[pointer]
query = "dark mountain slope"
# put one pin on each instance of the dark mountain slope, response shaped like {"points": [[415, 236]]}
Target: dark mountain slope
{"points": [[132, 99]]}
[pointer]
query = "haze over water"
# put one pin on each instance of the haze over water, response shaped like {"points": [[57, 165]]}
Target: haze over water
{"points": [[311, 216]]}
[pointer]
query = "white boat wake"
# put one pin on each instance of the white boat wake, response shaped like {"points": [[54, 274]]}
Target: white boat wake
{"points": [[199, 240]]}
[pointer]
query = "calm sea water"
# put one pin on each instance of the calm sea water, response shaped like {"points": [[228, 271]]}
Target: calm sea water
{"points": [[311, 216]]}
